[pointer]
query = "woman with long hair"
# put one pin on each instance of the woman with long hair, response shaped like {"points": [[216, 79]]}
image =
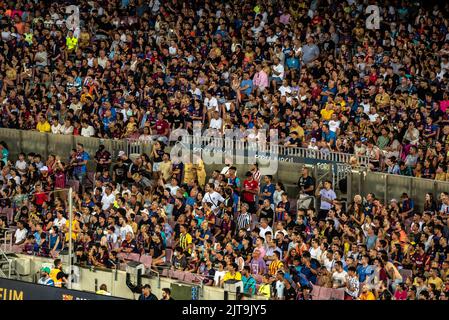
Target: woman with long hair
{"points": [[429, 203]]}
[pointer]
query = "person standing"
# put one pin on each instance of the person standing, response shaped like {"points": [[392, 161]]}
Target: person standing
{"points": [[327, 197], [166, 294], [250, 190], [146, 293]]}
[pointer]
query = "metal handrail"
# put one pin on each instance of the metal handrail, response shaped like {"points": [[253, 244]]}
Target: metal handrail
{"points": [[135, 146], [3, 254], [9, 231]]}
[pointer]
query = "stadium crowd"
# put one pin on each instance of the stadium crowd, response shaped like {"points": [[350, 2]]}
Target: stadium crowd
{"points": [[311, 69], [225, 228], [139, 69]]}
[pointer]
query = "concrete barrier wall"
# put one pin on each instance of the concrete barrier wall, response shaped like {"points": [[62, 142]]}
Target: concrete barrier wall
{"points": [[117, 287]]}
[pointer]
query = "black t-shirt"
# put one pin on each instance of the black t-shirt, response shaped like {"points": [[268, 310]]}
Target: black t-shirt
{"points": [[178, 211], [290, 293], [266, 213], [177, 121], [306, 183], [120, 172]]}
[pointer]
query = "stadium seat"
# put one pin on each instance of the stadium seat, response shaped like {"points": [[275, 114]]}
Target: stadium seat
{"points": [[146, 260], [168, 255], [180, 275]]}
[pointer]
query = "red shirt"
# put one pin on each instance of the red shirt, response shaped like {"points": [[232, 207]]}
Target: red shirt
{"points": [[161, 126], [251, 185], [40, 198]]}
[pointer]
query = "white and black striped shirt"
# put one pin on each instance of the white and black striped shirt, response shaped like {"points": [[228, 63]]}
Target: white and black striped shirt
{"points": [[243, 221]]}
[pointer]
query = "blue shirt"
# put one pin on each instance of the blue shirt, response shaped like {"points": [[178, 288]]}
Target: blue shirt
{"points": [[247, 83], [364, 272], [268, 188], [79, 158], [329, 136], [249, 283]]}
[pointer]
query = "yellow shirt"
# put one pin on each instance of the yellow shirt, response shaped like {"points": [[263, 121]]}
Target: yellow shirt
{"points": [[367, 296], [71, 43], [299, 130], [228, 276], [43, 127], [436, 281], [326, 114], [53, 274], [264, 290], [184, 241], [75, 226]]}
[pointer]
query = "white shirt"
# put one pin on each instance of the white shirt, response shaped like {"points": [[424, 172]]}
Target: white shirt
{"points": [[196, 92], [279, 68], [20, 235], [328, 263], [21, 165], [280, 289], [173, 189], [55, 129], [272, 39], [88, 132], [315, 253], [66, 130], [215, 198], [124, 230], [211, 103], [334, 125], [107, 201], [102, 62], [59, 223], [262, 231], [339, 278], [373, 117], [216, 124], [218, 276], [284, 90]]}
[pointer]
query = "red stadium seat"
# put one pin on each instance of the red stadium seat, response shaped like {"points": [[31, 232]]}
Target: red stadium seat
{"points": [[146, 260]]}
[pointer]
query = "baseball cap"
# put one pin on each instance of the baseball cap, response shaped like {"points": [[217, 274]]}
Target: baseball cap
{"points": [[313, 140], [45, 269], [121, 153], [145, 211], [44, 168]]}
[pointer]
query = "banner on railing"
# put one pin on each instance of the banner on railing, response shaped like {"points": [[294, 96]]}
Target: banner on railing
{"points": [[20, 290]]}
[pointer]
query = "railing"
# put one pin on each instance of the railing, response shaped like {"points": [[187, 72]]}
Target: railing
{"points": [[388, 186], [238, 147], [6, 259], [359, 182]]}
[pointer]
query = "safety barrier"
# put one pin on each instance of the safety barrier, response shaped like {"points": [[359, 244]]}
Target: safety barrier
{"points": [[385, 186]]}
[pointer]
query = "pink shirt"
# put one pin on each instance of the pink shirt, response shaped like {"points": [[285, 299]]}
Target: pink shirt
{"points": [[260, 79], [444, 105], [400, 295], [284, 18]]}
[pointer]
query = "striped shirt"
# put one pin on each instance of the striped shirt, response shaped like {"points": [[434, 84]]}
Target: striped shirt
{"points": [[275, 266], [256, 175], [243, 221], [184, 241]]}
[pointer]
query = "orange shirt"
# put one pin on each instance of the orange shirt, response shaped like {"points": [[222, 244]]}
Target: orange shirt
{"points": [[367, 296], [20, 26]]}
